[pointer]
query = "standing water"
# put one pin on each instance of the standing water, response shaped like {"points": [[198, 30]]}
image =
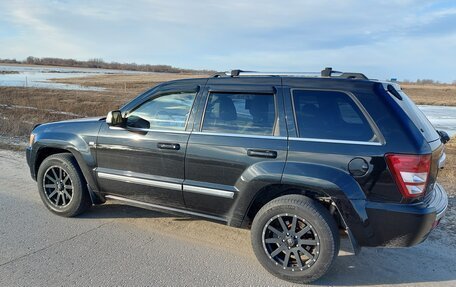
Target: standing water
{"points": [[39, 77], [441, 117]]}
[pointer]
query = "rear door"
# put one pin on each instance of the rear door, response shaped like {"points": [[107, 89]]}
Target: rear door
{"points": [[332, 132], [240, 128]]}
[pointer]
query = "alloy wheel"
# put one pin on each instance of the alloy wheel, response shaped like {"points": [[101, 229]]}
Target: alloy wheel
{"points": [[291, 242], [58, 186]]}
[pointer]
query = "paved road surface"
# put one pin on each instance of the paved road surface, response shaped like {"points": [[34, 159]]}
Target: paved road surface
{"points": [[119, 245]]}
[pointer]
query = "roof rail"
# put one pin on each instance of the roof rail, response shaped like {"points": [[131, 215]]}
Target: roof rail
{"points": [[237, 73], [327, 72]]}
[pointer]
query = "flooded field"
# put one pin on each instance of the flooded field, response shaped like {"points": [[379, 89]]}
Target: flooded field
{"points": [[38, 77], [441, 117]]}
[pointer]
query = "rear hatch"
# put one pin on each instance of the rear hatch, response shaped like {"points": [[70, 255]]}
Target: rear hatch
{"points": [[426, 128]]}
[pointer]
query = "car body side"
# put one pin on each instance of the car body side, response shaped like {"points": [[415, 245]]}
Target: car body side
{"points": [[316, 168]]}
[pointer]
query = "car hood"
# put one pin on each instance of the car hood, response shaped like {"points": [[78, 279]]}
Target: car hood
{"points": [[76, 126]]}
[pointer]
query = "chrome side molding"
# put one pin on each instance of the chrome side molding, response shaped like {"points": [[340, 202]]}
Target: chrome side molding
{"points": [[167, 185], [209, 191], [336, 141], [136, 180]]}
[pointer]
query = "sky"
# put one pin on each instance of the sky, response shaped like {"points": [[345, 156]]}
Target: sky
{"points": [[384, 39]]}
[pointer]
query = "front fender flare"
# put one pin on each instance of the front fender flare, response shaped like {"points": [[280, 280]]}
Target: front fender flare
{"points": [[76, 145]]}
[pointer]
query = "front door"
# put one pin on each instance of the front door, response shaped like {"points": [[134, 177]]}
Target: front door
{"points": [[144, 160]]}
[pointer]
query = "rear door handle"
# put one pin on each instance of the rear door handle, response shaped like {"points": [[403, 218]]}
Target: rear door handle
{"points": [[262, 153], [173, 146]]}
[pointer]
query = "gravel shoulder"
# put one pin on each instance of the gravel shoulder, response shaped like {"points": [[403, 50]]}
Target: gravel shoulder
{"points": [[120, 245]]}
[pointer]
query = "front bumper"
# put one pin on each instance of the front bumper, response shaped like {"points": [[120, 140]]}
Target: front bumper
{"points": [[402, 225], [30, 162]]}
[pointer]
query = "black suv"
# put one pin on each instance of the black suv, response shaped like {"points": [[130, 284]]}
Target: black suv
{"points": [[296, 158]]}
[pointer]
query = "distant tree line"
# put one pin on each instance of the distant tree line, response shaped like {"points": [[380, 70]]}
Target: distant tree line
{"points": [[100, 64], [426, 82]]}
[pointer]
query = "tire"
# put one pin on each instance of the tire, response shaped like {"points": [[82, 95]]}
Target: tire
{"points": [[301, 256], [62, 186]]}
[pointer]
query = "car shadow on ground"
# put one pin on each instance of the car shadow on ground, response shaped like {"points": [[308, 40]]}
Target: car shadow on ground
{"points": [[427, 263]]}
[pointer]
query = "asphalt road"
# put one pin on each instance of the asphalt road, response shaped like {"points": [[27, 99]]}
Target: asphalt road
{"points": [[119, 245]]}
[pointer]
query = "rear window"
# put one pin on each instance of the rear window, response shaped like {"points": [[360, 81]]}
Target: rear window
{"points": [[330, 115], [416, 116]]}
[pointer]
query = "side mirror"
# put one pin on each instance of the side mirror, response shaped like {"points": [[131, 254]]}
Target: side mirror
{"points": [[444, 137], [115, 119]]}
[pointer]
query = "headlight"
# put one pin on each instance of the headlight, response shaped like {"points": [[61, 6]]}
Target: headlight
{"points": [[32, 139]]}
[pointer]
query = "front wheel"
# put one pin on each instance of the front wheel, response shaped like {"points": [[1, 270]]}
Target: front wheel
{"points": [[62, 186], [295, 238]]}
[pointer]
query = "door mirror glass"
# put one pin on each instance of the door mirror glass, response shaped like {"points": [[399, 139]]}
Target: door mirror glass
{"points": [[114, 118]]}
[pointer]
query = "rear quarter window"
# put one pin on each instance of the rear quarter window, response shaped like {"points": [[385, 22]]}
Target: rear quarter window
{"points": [[415, 115], [330, 115]]}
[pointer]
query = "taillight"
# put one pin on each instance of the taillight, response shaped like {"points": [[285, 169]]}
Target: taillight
{"points": [[411, 172]]}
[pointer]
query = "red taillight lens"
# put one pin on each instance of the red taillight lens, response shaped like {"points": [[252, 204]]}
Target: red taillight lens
{"points": [[411, 172]]}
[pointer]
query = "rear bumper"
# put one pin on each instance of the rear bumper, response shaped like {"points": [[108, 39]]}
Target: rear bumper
{"points": [[402, 225]]}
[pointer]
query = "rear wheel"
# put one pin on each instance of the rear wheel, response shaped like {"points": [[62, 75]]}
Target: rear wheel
{"points": [[295, 238], [62, 186]]}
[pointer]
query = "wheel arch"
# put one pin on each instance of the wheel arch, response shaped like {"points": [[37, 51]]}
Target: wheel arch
{"points": [[334, 188], [74, 145], [271, 192], [44, 153]]}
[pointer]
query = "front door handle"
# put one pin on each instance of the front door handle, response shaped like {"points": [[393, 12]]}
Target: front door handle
{"points": [[262, 153], [173, 146]]}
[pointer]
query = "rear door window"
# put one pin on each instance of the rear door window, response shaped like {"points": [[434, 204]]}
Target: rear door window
{"points": [[330, 115], [236, 113]]}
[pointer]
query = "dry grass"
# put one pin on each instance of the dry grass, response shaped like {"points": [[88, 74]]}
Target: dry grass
{"points": [[441, 95], [447, 176], [21, 108], [130, 83]]}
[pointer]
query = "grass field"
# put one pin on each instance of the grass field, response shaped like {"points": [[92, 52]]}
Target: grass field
{"points": [[440, 95], [21, 108]]}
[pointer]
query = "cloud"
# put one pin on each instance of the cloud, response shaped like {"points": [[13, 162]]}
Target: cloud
{"points": [[397, 38]]}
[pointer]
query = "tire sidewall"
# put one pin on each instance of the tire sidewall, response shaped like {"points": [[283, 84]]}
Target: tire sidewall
{"points": [[76, 180], [328, 242]]}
